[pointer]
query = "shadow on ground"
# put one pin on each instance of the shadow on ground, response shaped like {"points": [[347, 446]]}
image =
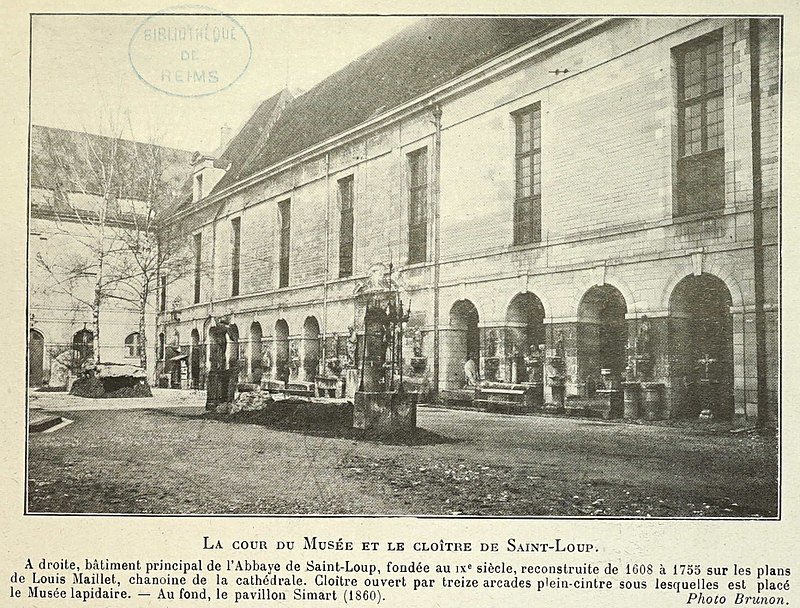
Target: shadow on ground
{"points": [[331, 427]]}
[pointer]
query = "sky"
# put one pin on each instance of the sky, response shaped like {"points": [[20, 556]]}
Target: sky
{"points": [[83, 79]]}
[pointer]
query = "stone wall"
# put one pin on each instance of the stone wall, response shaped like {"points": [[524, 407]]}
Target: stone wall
{"points": [[609, 148]]}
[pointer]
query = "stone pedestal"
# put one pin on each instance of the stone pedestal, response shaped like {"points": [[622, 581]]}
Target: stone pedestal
{"points": [[218, 389], [534, 395], [652, 400], [418, 364], [381, 413], [491, 369], [612, 403], [351, 378], [631, 392], [554, 400], [708, 397]]}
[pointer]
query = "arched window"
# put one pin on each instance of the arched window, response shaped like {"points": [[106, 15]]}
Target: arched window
{"points": [[133, 345], [162, 343], [82, 348]]}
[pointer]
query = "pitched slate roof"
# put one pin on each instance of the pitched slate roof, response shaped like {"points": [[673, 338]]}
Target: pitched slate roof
{"points": [[425, 55], [72, 161]]}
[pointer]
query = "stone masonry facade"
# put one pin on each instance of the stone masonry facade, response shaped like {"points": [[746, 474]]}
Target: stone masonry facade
{"points": [[613, 254]]}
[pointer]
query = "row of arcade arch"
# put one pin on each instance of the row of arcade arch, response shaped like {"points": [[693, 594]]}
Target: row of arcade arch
{"points": [[254, 355], [697, 327]]}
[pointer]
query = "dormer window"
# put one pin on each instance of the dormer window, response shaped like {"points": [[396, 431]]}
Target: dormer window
{"points": [[206, 173]]}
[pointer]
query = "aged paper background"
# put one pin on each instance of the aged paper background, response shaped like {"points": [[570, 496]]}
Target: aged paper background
{"points": [[706, 542]]}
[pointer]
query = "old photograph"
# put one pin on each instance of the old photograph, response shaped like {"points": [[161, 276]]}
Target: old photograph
{"points": [[451, 265]]}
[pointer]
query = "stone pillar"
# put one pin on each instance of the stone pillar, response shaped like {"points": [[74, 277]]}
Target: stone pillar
{"points": [[568, 332], [773, 356], [745, 394], [453, 353], [309, 351]]}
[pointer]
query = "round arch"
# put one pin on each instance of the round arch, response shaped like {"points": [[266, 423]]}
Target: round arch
{"points": [[717, 269], [462, 343], [602, 334], [701, 346], [35, 357], [256, 355], [525, 332], [311, 347], [281, 350]]}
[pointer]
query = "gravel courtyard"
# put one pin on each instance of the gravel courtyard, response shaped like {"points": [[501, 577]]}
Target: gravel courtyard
{"points": [[163, 456]]}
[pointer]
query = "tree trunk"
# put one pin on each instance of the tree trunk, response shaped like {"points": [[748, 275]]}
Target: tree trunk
{"points": [[96, 323], [143, 330], [98, 284]]}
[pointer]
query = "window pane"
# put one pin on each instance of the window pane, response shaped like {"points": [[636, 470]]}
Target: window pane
{"points": [[418, 206], [692, 130], [714, 123], [713, 66], [528, 174], [346, 193]]}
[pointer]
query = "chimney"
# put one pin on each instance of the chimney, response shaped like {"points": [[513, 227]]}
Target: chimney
{"points": [[225, 134]]}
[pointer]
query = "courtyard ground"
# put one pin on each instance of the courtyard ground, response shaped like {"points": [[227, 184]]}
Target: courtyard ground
{"points": [[162, 455]]}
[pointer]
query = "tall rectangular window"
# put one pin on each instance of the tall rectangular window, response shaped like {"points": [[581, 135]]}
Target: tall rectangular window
{"points": [[528, 199], [346, 227], [285, 213], [701, 136], [418, 206], [236, 246], [198, 257]]}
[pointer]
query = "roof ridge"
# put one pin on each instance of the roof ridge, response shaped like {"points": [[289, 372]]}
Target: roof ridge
{"points": [[428, 53]]}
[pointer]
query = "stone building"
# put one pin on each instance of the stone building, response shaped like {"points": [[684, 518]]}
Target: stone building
{"points": [[587, 190], [65, 198]]}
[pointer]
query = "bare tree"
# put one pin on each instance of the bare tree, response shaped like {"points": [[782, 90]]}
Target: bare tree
{"points": [[83, 181], [106, 194], [154, 254]]}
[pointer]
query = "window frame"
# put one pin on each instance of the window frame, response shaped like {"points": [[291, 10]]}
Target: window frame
{"points": [[418, 205], [530, 205], [284, 242], [198, 257], [707, 166], [346, 225], [83, 348], [134, 349], [236, 253]]}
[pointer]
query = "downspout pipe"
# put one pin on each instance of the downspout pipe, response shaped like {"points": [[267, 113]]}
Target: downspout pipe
{"points": [[437, 148], [762, 413], [323, 354]]}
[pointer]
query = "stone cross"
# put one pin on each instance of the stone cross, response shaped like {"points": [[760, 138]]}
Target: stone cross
{"points": [[706, 363]]}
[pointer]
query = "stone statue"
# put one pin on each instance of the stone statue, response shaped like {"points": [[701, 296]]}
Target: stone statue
{"points": [[352, 344], [643, 337], [294, 356], [491, 344], [417, 342], [559, 344], [533, 363]]}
